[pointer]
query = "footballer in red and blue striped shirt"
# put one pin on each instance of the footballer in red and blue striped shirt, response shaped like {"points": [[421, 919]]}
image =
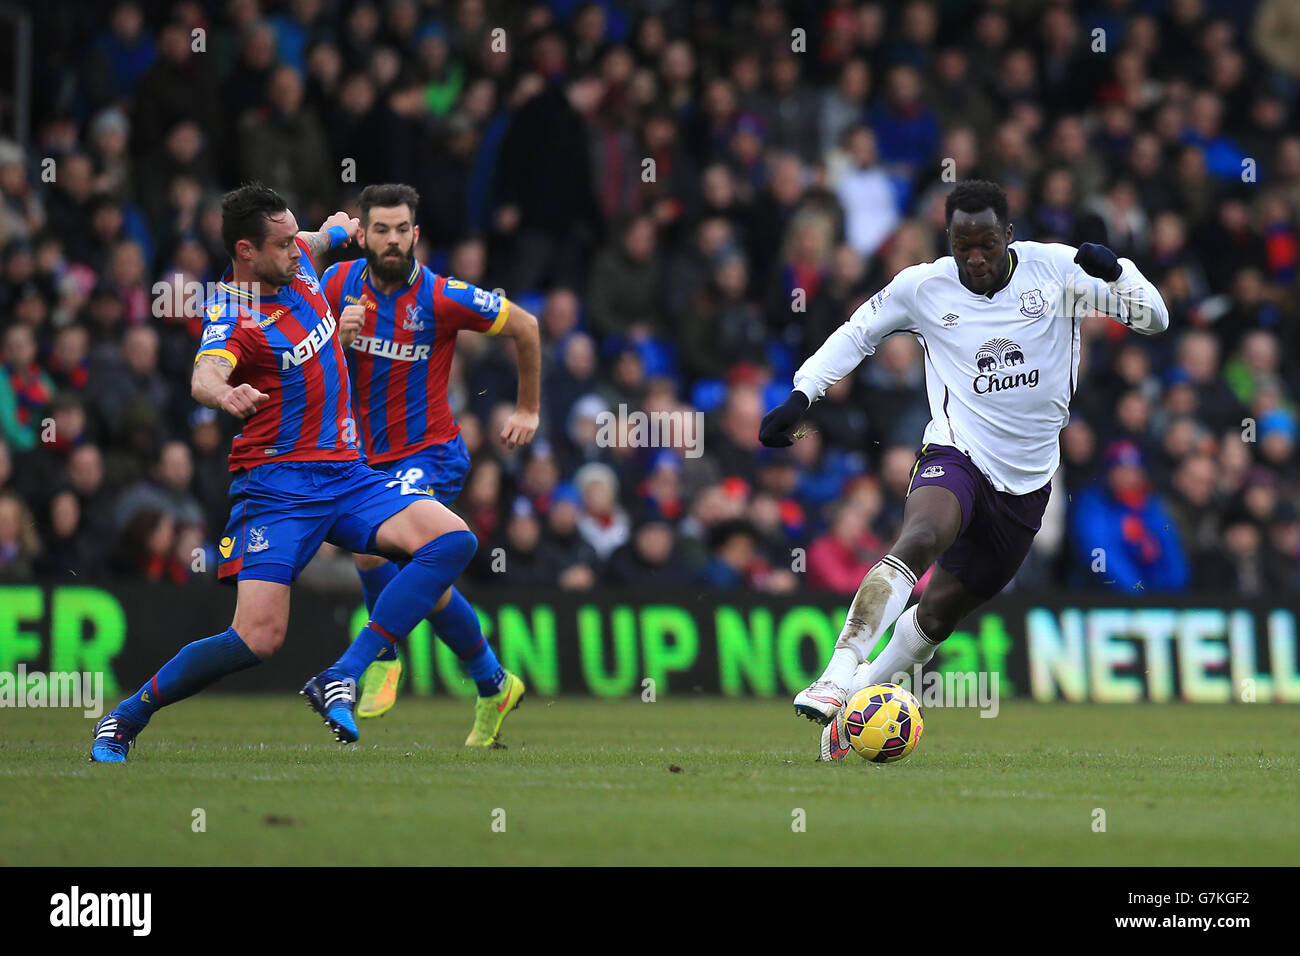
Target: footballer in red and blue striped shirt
{"points": [[284, 345], [401, 356], [270, 355], [402, 320]]}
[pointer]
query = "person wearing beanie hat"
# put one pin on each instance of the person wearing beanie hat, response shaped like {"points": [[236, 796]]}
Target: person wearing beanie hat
{"points": [[1123, 532]]}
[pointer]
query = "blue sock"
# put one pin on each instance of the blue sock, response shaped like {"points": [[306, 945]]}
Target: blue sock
{"points": [[408, 598], [362, 652], [195, 666], [458, 626], [373, 581]]}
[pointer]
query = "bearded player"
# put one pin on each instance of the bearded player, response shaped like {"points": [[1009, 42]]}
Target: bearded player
{"points": [[401, 320], [270, 355], [999, 324]]}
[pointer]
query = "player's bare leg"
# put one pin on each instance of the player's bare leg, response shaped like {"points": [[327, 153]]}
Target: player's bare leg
{"points": [[257, 631], [262, 615], [931, 522]]}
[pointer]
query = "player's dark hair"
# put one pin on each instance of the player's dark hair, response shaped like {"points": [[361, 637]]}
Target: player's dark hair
{"points": [[976, 195], [244, 212], [388, 194]]}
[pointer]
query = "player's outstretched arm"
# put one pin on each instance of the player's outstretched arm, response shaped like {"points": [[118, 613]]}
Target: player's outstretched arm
{"points": [[839, 355], [886, 312], [210, 386], [334, 231], [1130, 297], [521, 325]]}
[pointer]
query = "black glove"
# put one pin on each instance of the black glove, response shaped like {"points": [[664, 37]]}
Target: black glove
{"points": [[774, 432], [1098, 261]]}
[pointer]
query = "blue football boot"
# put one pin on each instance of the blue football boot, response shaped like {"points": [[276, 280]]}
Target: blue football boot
{"points": [[335, 699], [114, 736]]}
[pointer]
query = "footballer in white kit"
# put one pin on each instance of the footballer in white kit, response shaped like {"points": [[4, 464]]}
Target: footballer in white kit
{"points": [[999, 324]]}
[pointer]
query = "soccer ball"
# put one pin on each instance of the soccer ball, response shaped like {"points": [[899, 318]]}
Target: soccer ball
{"points": [[883, 722]]}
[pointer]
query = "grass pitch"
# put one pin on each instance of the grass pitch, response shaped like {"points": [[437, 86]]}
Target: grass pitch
{"points": [[592, 782]]}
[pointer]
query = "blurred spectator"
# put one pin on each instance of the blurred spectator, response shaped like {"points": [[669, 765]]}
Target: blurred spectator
{"points": [[166, 491], [1122, 531], [25, 389], [70, 550], [624, 284], [865, 191], [648, 561], [733, 552], [283, 144], [565, 546], [841, 558], [603, 523], [19, 544], [523, 562], [146, 549], [130, 383], [178, 86], [120, 55]]}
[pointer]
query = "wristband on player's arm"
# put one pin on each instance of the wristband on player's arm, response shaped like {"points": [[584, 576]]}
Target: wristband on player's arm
{"points": [[781, 419], [338, 236]]}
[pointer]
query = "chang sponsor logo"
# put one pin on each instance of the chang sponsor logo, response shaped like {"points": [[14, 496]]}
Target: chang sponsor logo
{"points": [[1000, 365]]}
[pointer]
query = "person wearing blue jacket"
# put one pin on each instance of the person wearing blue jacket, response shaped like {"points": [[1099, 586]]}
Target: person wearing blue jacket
{"points": [[1124, 537]]}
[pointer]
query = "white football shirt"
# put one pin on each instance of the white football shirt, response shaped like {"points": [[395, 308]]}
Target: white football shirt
{"points": [[1000, 370]]}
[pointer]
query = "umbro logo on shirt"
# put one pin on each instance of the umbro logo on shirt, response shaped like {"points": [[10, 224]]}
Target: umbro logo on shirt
{"points": [[949, 320]]}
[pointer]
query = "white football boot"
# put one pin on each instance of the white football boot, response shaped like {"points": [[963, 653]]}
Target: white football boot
{"points": [[820, 701], [835, 739]]}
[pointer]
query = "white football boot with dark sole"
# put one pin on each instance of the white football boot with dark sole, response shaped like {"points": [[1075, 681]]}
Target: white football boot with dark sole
{"points": [[820, 701]]}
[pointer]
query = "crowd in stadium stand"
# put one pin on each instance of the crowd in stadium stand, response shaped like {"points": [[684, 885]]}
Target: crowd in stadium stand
{"points": [[691, 196]]}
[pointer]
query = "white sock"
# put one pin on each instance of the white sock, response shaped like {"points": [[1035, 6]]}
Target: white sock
{"points": [[881, 597], [907, 648]]}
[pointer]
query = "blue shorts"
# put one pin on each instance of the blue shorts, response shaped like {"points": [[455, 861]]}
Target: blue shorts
{"points": [[280, 513], [438, 470]]}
